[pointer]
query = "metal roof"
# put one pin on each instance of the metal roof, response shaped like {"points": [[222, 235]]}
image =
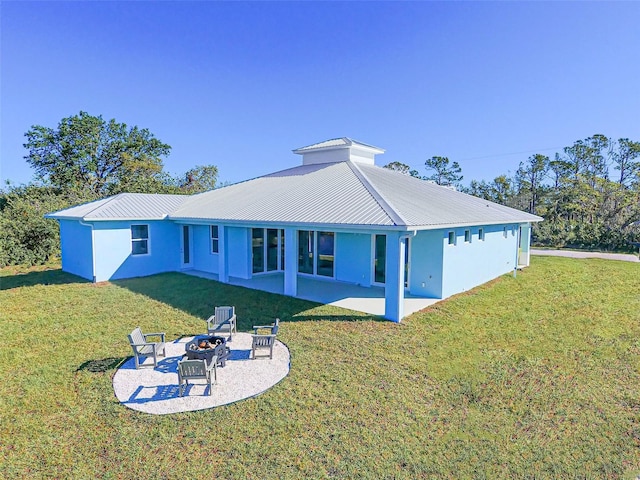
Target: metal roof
{"points": [[335, 143], [327, 193], [345, 193], [124, 206], [421, 203]]}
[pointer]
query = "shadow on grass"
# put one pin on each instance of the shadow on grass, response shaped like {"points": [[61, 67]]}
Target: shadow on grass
{"points": [[199, 296], [102, 365], [46, 277]]}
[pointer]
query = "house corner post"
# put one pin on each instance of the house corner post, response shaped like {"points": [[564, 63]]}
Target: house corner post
{"points": [[394, 285], [223, 267], [290, 262]]}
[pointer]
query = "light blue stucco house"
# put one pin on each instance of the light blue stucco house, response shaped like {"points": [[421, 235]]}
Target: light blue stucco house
{"points": [[337, 217]]}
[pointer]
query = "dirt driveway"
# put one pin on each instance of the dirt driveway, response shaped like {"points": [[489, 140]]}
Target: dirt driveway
{"points": [[625, 257]]}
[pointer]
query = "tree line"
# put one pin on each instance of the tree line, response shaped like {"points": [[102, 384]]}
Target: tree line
{"points": [[83, 159], [588, 194]]}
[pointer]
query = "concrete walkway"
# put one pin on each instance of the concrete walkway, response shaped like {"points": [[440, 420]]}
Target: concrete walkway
{"points": [[155, 390], [625, 257]]}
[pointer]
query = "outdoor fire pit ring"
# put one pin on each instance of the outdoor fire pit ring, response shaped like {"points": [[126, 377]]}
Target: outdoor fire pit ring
{"points": [[205, 347]]}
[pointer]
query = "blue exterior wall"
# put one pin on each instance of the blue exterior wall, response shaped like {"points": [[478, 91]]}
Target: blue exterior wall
{"points": [[353, 258], [467, 265], [203, 259], [425, 264], [75, 248], [239, 251], [112, 242]]}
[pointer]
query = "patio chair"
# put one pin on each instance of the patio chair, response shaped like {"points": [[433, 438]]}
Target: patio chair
{"points": [[264, 338], [197, 369], [223, 320], [142, 347], [271, 329]]}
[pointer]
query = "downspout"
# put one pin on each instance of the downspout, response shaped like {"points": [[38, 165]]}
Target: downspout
{"points": [[515, 264], [93, 250]]}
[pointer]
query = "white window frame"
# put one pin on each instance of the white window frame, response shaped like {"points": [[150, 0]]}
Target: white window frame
{"points": [[481, 234], [216, 239], [316, 254], [146, 239], [467, 235], [455, 238], [504, 232]]}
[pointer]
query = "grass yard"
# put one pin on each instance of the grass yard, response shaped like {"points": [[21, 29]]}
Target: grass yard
{"points": [[533, 377]]}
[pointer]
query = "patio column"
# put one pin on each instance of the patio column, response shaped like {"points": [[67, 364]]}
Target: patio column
{"points": [[394, 285], [223, 270], [290, 262]]}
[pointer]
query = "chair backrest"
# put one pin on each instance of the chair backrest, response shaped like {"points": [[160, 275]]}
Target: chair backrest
{"points": [[136, 337], [224, 313], [192, 368], [263, 340]]}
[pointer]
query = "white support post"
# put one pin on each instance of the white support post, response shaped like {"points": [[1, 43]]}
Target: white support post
{"points": [[290, 262], [394, 285]]}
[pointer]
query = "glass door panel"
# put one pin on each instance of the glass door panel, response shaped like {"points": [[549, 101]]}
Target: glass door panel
{"points": [[272, 249], [326, 243], [380, 259], [257, 247], [305, 251]]}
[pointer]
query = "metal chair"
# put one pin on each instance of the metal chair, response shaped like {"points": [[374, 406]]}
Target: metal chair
{"points": [[197, 369], [223, 320]]}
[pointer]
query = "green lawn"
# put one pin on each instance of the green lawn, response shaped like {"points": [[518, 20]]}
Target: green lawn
{"points": [[532, 377]]}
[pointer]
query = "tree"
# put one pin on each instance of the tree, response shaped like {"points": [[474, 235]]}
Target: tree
{"points": [[627, 161], [530, 177], [26, 237], [402, 168], [443, 173], [201, 178], [88, 153]]}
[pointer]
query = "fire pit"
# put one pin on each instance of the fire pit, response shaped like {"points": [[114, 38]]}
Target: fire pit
{"points": [[204, 347]]}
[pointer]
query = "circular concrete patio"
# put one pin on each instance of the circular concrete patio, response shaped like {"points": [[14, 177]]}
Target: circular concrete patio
{"points": [[155, 391]]}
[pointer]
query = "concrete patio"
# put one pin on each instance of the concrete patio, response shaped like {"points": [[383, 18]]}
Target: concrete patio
{"points": [[155, 390], [346, 295]]}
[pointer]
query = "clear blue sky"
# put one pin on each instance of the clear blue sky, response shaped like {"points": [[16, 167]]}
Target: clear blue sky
{"points": [[239, 85]]}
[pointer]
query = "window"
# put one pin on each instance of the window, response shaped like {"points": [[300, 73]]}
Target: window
{"points": [[316, 253], [467, 236], [481, 234], [380, 258], [504, 232], [257, 245], [326, 243], [306, 248], [139, 239], [267, 249], [513, 231], [214, 239], [452, 238]]}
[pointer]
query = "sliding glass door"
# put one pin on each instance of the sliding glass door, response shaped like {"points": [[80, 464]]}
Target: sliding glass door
{"points": [[267, 247], [316, 253]]}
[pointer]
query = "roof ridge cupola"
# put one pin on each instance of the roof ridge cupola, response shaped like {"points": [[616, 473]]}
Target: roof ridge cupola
{"points": [[342, 149]]}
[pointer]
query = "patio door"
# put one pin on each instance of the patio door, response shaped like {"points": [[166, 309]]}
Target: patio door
{"points": [[380, 260], [267, 250], [186, 246]]}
